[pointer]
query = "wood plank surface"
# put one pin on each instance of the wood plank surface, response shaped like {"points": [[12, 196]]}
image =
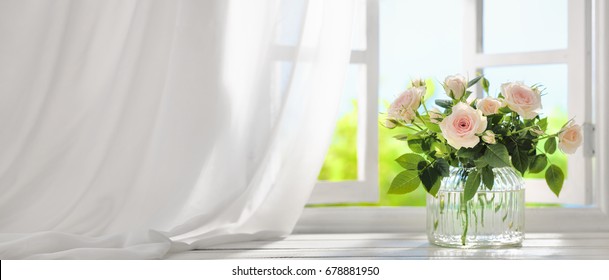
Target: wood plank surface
{"points": [[405, 246]]}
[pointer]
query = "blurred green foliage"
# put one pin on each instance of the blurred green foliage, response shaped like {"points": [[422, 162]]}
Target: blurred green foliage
{"points": [[341, 159]]}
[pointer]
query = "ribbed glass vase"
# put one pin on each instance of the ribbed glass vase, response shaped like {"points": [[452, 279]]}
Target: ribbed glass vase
{"points": [[493, 218]]}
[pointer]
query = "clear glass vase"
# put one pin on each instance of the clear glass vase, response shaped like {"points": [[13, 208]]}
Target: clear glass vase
{"points": [[493, 218]]}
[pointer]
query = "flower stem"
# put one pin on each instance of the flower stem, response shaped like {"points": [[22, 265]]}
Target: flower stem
{"points": [[523, 129], [410, 127], [425, 107], [547, 136], [417, 125], [518, 131], [422, 120], [464, 209]]}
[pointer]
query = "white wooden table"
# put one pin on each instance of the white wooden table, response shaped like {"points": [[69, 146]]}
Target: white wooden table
{"points": [[405, 246]]}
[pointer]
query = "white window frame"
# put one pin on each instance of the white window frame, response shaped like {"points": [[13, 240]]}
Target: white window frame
{"points": [[593, 218], [577, 57], [365, 188]]}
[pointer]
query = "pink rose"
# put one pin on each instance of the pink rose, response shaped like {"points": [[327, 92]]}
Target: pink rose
{"points": [[461, 126], [405, 106], [455, 86], [570, 138], [489, 106], [522, 99]]}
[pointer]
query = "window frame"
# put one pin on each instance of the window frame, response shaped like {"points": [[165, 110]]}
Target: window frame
{"points": [[593, 218], [577, 58], [365, 188]]}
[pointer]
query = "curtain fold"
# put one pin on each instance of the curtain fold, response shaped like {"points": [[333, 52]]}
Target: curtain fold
{"points": [[133, 129]]}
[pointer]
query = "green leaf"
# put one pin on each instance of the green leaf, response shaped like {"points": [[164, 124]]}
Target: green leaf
{"points": [[520, 159], [555, 178], [485, 84], [480, 163], [415, 145], [440, 147], [488, 177], [497, 156], [434, 127], [550, 145], [422, 165], [538, 164], [428, 177], [453, 161], [473, 103], [410, 161], [441, 166], [471, 185], [405, 182], [469, 152], [401, 137], [446, 104], [543, 124], [474, 81], [435, 188], [529, 122], [494, 119], [426, 144], [466, 95], [505, 110]]}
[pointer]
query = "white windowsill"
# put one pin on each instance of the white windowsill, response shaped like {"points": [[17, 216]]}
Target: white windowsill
{"points": [[404, 246]]}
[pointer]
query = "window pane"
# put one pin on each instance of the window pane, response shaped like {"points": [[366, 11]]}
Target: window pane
{"points": [[292, 13], [341, 160], [553, 79], [524, 25], [280, 79], [417, 40]]}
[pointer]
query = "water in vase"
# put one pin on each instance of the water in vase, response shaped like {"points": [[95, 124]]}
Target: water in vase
{"points": [[492, 218]]}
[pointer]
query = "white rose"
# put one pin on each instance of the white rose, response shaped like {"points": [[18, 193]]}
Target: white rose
{"points": [[405, 106], [570, 138], [489, 137], [455, 86], [489, 106], [522, 99], [461, 126]]}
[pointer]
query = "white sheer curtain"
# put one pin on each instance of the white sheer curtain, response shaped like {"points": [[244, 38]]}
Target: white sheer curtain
{"points": [[130, 129]]}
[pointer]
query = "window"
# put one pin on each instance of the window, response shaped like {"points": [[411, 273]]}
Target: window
{"points": [[552, 48], [485, 45], [560, 56], [362, 87]]}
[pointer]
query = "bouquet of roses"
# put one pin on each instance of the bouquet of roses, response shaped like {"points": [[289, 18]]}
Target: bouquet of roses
{"points": [[487, 133]]}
